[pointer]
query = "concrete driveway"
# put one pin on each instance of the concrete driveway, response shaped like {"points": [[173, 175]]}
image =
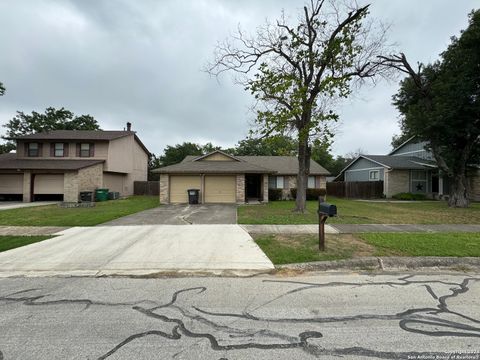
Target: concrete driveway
{"points": [[139, 250], [181, 215]]}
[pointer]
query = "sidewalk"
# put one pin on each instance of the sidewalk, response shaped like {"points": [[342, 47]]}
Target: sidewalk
{"points": [[358, 228], [284, 229]]}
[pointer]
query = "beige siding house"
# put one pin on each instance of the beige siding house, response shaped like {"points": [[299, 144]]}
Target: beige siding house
{"points": [[60, 164], [223, 178]]}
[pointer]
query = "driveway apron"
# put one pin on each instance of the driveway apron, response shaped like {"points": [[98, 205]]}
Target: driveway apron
{"points": [[139, 250]]}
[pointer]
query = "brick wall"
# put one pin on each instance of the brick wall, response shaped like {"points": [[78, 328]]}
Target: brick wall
{"points": [[27, 180], [240, 188], [265, 188], [164, 194]]}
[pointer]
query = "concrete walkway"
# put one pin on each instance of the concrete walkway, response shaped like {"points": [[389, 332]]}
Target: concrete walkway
{"points": [[363, 228], [30, 230], [139, 250], [287, 229], [9, 205]]}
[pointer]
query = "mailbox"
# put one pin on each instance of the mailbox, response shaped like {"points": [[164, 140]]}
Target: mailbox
{"points": [[327, 209]]}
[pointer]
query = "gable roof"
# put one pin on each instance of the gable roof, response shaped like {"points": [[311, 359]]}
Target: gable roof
{"points": [[89, 135], [402, 145], [281, 165], [10, 162], [197, 158], [391, 162]]}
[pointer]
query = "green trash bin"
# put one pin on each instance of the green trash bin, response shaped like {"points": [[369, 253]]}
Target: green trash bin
{"points": [[101, 194]]}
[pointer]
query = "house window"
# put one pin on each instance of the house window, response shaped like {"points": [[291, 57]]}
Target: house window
{"points": [[419, 181], [374, 175], [311, 182], [85, 150], [59, 150], [33, 149], [279, 182]]}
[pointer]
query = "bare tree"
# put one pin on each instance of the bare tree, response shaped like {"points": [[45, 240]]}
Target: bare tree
{"points": [[296, 71]]}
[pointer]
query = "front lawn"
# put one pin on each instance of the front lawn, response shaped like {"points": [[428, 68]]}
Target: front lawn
{"points": [[12, 242], [287, 249], [53, 215], [361, 212], [415, 244]]}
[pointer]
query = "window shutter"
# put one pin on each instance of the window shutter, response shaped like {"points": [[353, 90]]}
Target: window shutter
{"points": [[317, 182], [78, 150], [52, 149], [40, 150], [286, 182], [25, 145], [92, 149], [65, 149]]}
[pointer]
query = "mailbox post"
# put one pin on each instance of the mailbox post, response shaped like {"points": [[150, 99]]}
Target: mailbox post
{"points": [[325, 210]]}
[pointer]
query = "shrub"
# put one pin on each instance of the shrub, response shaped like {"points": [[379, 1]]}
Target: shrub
{"points": [[312, 194], [274, 194], [409, 196]]}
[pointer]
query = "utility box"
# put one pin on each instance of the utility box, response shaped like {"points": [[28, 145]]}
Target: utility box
{"points": [[86, 196]]}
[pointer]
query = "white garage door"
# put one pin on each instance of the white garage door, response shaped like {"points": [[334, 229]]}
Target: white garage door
{"points": [[11, 184], [48, 184], [220, 189], [179, 184]]}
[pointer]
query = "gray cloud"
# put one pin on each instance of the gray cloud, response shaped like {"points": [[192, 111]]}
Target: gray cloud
{"points": [[141, 61]]}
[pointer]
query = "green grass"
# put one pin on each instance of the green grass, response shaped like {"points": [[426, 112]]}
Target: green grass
{"points": [[287, 249], [413, 244], [360, 212], [12, 242], [55, 216]]}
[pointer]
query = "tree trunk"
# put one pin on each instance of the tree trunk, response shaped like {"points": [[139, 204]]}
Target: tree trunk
{"points": [[458, 192], [302, 176]]}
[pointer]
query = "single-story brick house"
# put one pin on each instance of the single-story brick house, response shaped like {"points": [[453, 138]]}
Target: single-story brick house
{"points": [[223, 178], [59, 164], [410, 168]]}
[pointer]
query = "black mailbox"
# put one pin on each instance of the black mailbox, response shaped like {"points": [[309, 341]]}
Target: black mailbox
{"points": [[327, 209]]}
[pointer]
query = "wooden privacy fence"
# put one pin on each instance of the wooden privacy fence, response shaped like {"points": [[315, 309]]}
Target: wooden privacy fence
{"points": [[356, 189], [146, 188]]}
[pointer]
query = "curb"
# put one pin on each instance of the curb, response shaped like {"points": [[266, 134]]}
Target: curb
{"points": [[388, 263]]}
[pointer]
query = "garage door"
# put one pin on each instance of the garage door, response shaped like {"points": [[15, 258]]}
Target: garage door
{"points": [[11, 184], [48, 184], [179, 186], [220, 189]]}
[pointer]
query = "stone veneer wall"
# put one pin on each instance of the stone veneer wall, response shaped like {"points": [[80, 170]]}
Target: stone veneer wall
{"points": [[70, 186], [90, 178], [396, 181], [164, 195], [27, 180], [240, 188], [265, 188]]}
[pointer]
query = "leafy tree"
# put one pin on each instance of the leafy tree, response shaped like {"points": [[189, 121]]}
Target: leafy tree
{"points": [[440, 103], [271, 146], [2, 89], [52, 119], [300, 69]]}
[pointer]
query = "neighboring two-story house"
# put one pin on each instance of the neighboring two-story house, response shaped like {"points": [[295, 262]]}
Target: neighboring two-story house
{"points": [[60, 164], [408, 168]]}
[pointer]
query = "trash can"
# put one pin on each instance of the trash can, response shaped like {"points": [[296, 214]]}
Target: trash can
{"points": [[86, 196], [101, 194], [193, 195]]}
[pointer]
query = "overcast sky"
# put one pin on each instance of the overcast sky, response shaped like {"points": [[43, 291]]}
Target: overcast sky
{"points": [[141, 61]]}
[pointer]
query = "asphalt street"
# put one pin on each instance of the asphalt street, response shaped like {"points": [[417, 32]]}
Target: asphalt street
{"points": [[351, 316]]}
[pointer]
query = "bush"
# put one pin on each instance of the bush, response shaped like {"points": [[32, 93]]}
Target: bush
{"points": [[274, 194], [312, 194], [409, 196]]}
